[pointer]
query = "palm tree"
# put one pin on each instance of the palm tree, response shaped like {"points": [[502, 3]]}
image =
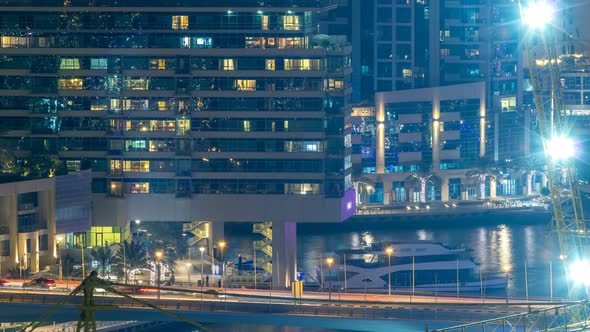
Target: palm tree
{"points": [[484, 168], [422, 177], [130, 256], [105, 257]]}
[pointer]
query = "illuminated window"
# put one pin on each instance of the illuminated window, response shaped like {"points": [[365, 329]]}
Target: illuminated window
{"points": [[270, 64], [333, 84], [311, 147], [116, 167], [135, 145], [116, 188], [162, 105], [179, 22], [291, 22], [69, 63], [98, 64], [406, 73], [302, 64], [99, 105], [245, 85], [115, 104], [291, 42], [159, 64], [137, 84], [142, 166], [264, 22], [70, 83], [445, 51], [228, 64], [138, 188], [183, 126], [508, 104], [7, 42], [246, 125]]}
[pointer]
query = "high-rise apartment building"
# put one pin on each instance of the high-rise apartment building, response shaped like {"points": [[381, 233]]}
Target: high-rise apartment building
{"points": [[188, 110]]}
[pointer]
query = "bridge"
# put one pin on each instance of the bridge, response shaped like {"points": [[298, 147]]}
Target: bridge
{"points": [[349, 312]]}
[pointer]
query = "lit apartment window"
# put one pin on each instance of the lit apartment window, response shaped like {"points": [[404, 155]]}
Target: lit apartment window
{"points": [[137, 84], [228, 64], [291, 42], [159, 64], [508, 104], [246, 125], [69, 63], [270, 64], [162, 105], [116, 167], [302, 64], [98, 64], [183, 126], [115, 104], [8, 42], [406, 73], [445, 51], [179, 22], [245, 85], [291, 22], [142, 166], [334, 84], [70, 83], [138, 188], [264, 22]]}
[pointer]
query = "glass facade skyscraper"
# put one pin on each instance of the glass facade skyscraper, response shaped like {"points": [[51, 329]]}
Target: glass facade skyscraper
{"points": [[179, 101]]}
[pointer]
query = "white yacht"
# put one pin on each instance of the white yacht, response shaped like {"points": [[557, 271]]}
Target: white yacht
{"points": [[416, 265]]}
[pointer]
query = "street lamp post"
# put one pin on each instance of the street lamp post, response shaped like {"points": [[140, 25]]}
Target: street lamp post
{"points": [[330, 261], [202, 249], [389, 251], [59, 261], [159, 255], [222, 246]]}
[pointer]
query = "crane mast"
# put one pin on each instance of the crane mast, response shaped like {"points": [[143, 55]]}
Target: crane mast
{"points": [[568, 216]]}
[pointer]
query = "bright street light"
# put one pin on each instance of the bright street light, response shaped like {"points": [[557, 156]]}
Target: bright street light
{"points": [[330, 261], [159, 255], [389, 252], [538, 14], [560, 148], [579, 271]]}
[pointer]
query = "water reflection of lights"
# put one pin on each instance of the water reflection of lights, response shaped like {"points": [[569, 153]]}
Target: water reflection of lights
{"points": [[355, 240], [424, 235], [368, 239], [504, 245], [482, 244]]}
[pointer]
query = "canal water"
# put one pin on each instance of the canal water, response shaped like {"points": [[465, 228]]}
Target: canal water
{"points": [[523, 244]]}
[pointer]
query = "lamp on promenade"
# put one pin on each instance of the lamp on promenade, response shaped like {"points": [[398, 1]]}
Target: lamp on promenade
{"points": [[159, 255], [389, 252], [59, 261], [330, 261], [506, 269], [202, 249]]}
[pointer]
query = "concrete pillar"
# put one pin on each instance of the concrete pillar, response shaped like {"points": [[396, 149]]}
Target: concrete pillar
{"points": [[387, 189], [435, 131], [34, 255], [216, 234], [380, 134], [12, 212], [284, 254], [444, 189], [47, 214], [493, 187]]}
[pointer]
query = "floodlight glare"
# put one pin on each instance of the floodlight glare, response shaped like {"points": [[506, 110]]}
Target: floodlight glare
{"points": [[537, 14], [560, 148], [579, 272]]}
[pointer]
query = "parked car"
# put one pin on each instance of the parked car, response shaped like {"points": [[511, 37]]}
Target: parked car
{"points": [[3, 282], [129, 289], [40, 282]]}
